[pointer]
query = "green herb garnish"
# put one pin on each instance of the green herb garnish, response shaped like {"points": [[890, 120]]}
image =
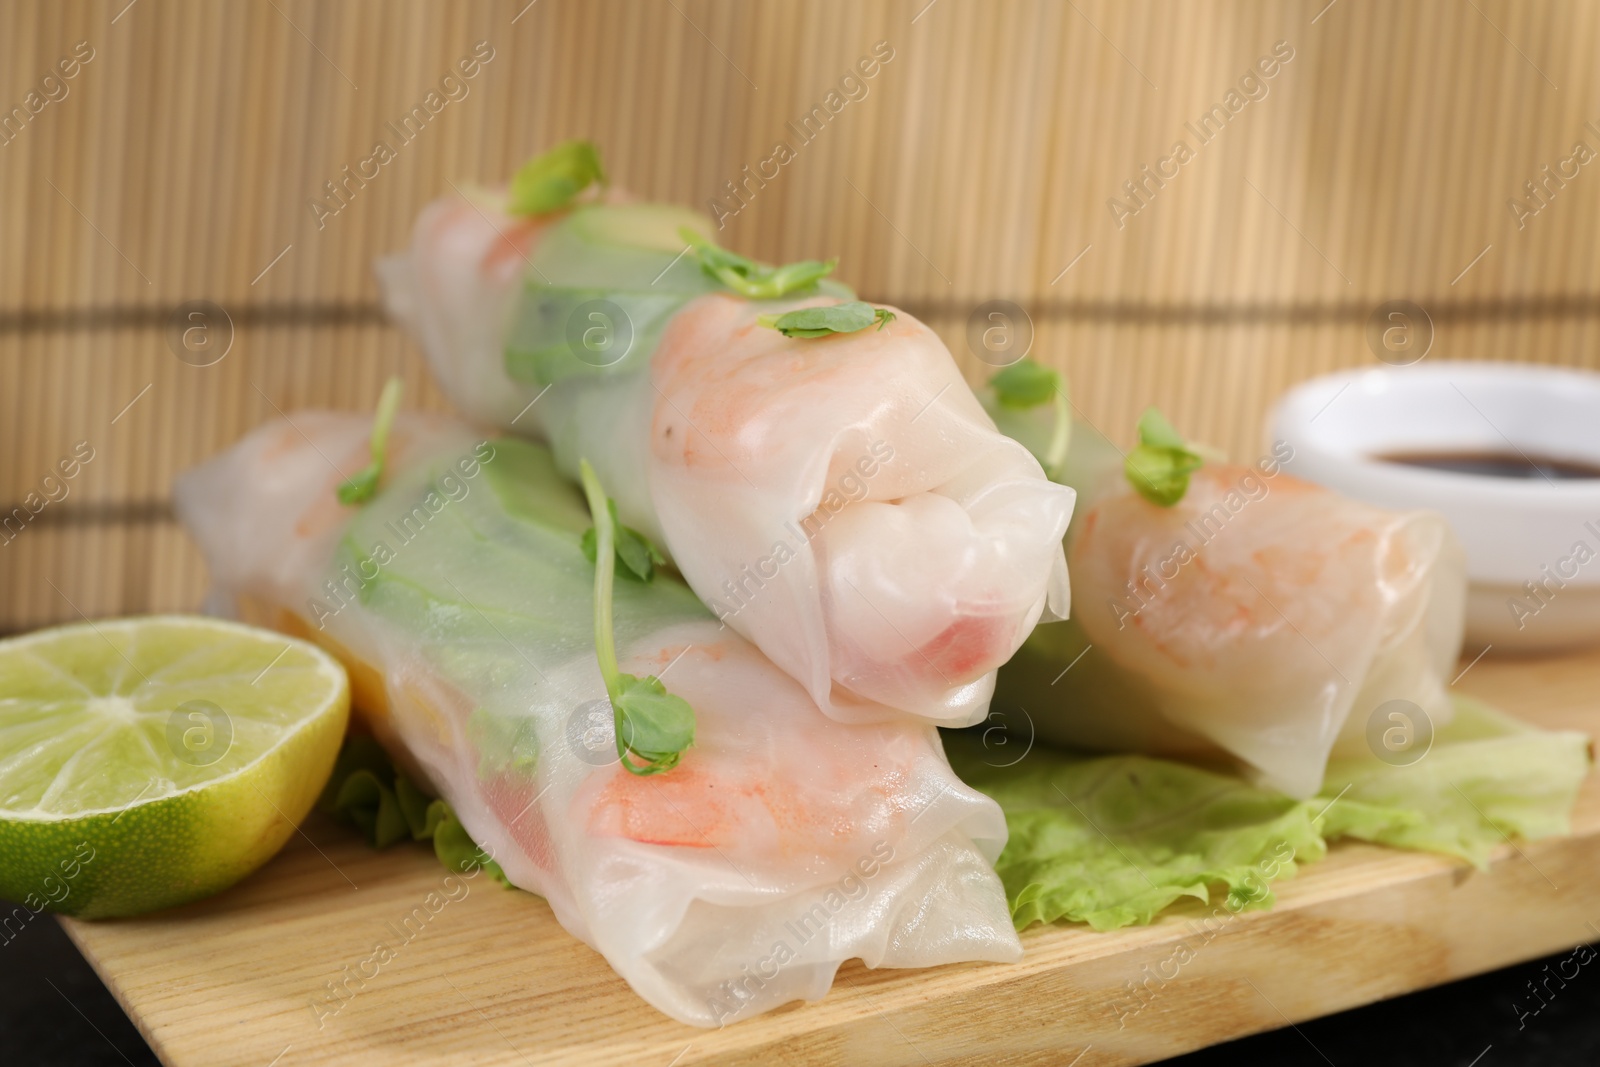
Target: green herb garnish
{"points": [[1160, 466], [650, 722], [365, 482], [822, 321], [549, 182], [636, 551], [1026, 384], [749, 278]]}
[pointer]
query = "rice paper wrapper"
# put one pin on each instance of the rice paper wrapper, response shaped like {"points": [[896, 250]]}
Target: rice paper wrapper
{"points": [[784, 843]]}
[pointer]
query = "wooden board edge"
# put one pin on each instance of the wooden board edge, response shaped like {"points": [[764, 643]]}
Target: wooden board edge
{"points": [[76, 929]]}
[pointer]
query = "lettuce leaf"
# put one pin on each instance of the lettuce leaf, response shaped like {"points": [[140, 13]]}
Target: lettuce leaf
{"points": [[1113, 840], [1487, 778], [368, 793]]}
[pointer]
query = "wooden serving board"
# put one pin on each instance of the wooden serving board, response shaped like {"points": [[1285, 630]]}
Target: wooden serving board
{"points": [[492, 979]]}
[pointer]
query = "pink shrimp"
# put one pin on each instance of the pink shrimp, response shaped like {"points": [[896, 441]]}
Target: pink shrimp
{"points": [[799, 793]]}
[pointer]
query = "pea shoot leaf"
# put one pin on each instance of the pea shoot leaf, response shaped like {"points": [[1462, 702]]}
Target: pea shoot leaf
{"points": [[825, 321], [638, 554], [1025, 384], [1160, 466], [361, 486], [749, 278], [653, 724], [551, 181]]}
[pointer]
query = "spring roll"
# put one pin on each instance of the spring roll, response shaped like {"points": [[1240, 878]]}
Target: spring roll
{"points": [[461, 599], [841, 500], [1256, 620]]}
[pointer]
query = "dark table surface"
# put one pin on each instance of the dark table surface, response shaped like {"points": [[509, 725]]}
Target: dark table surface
{"points": [[54, 1011]]}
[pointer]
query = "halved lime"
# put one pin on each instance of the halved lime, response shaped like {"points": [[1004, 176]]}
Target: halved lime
{"points": [[151, 761]]}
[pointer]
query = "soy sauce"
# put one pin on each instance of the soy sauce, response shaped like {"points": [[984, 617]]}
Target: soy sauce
{"points": [[1497, 464]]}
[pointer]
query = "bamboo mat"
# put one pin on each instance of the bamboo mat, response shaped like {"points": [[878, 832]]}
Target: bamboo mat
{"points": [[977, 162]]}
